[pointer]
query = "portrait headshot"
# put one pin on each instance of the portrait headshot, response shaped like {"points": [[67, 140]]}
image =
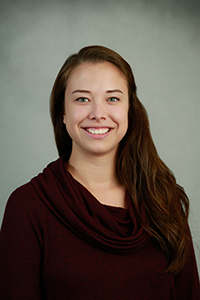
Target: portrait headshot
{"points": [[100, 150]]}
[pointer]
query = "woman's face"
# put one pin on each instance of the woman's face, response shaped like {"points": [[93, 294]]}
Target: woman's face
{"points": [[96, 108]]}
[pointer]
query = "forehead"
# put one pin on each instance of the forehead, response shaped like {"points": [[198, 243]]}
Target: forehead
{"points": [[89, 72]]}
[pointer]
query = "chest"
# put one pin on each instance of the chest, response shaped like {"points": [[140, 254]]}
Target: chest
{"points": [[113, 197], [74, 266]]}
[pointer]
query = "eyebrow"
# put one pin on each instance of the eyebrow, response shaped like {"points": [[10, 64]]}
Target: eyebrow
{"points": [[114, 91], [80, 91], [86, 91]]}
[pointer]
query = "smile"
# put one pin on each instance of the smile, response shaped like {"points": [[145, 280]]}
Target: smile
{"points": [[97, 130]]}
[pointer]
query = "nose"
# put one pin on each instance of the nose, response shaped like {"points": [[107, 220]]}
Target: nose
{"points": [[98, 112]]}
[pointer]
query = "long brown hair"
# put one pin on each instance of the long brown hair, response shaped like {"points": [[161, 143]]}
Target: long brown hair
{"points": [[138, 166]]}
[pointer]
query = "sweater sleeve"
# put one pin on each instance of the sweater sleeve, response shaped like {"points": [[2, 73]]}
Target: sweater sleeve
{"points": [[187, 280], [21, 246]]}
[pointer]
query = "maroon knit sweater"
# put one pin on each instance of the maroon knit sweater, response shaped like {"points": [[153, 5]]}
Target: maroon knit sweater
{"points": [[58, 242]]}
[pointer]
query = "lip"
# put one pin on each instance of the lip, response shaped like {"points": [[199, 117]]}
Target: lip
{"points": [[97, 127]]}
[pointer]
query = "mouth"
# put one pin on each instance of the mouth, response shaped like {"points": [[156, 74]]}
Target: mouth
{"points": [[97, 131]]}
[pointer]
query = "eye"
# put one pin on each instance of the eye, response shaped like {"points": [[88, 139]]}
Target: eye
{"points": [[113, 99], [82, 99]]}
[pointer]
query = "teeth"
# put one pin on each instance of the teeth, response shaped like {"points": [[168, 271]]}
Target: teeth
{"points": [[97, 131]]}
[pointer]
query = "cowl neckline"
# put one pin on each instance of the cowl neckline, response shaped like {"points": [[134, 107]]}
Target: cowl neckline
{"points": [[72, 203], [122, 217]]}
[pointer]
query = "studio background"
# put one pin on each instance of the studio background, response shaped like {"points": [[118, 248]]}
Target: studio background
{"points": [[160, 40]]}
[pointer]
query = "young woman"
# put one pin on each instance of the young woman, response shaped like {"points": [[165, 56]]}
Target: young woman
{"points": [[107, 220]]}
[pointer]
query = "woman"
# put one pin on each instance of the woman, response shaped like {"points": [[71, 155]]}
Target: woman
{"points": [[107, 219]]}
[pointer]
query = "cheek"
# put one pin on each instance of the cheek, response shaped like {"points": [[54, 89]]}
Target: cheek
{"points": [[74, 117], [121, 116], [69, 124], [123, 121]]}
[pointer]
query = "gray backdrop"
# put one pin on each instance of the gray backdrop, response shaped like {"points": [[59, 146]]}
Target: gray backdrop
{"points": [[161, 41]]}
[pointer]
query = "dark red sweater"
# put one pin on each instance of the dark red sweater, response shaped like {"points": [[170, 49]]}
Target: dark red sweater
{"points": [[59, 242]]}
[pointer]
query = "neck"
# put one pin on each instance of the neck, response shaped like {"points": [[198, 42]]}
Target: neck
{"points": [[98, 175], [93, 171]]}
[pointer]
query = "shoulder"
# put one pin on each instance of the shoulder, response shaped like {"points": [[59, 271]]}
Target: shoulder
{"points": [[27, 196], [23, 195], [24, 203], [187, 280], [26, 200]]}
